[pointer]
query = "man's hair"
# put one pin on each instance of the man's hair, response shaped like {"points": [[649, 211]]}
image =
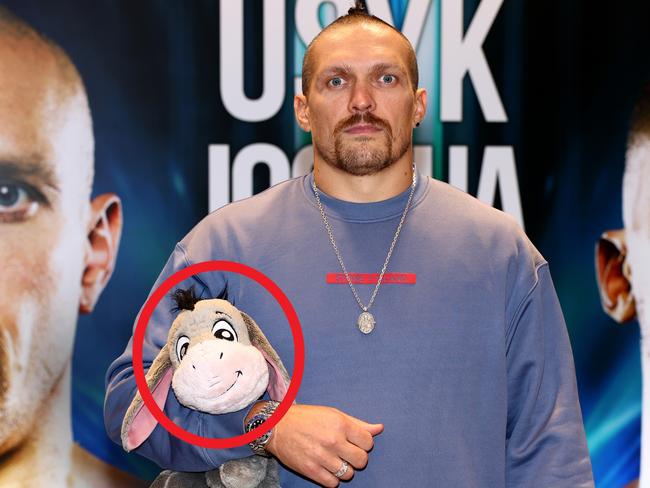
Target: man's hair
{"points": [[356, 15]]}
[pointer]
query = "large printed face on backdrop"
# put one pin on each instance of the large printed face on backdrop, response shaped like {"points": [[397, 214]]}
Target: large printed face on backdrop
{"points": [[361, 106], [636, 216], [56, 247], [623, 256]]}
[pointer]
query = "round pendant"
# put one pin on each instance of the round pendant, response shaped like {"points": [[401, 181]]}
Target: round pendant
{"points": [[366, 322]]}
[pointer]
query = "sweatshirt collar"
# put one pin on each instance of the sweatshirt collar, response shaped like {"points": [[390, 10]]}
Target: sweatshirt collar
{"points": [[365, 212]]}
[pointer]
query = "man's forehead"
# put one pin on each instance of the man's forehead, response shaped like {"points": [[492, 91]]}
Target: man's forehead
{"points": [[26, 56], [28, 83], [36, 102], [362, 45], [25, 128]]}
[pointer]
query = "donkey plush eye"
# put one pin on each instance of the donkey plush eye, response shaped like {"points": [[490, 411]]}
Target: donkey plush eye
{"points": [[182, 344], [223, 330]]}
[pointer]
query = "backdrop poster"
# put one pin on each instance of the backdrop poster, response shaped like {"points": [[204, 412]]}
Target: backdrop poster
{"points": [[529, 110]]}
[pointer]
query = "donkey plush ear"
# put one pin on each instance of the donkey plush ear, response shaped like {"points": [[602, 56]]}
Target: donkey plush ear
{"points": [[278, 376], [138, 421], [613, 274]]}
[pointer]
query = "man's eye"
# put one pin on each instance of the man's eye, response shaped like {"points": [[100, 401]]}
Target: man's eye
{"points": [[16, 203], [388, 79], [337, 81]]}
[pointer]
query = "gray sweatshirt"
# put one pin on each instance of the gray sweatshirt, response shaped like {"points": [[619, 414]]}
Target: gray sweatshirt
{"points": [[469, 367]]}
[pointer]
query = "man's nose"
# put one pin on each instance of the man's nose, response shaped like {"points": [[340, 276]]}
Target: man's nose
{"points": [[361, 98]]}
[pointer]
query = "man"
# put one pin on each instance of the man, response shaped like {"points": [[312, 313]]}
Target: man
{"points": [[57, 250], [453, 369], [623, 257]]}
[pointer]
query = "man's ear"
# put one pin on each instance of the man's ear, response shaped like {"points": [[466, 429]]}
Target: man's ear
{"points": [[420, 106], [302, 112], [613, 275], [104, 231]]}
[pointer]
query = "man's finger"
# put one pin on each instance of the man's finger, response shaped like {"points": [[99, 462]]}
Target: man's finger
{"points": [[360, 437], [325, 478], [357, 457], [373, 429], [334, 464]]}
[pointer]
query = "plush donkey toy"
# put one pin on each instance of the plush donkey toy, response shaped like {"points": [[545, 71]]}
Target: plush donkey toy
{"points": [[217, 360]]}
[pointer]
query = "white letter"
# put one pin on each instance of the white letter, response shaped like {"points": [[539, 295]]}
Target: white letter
{"points": [[462, 55], [297, 85], [423, 157], [458, 167], [303, 161], [231, 57], [245, 161], [499, 164], [218, 176]]}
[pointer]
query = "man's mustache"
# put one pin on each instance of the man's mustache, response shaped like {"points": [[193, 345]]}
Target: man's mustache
{"points": [[362, 118]]}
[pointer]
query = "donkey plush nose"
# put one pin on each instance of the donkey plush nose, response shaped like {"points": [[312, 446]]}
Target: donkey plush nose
{"points": [[194, 365], [220, 357], [209, 360], [208, 366]]}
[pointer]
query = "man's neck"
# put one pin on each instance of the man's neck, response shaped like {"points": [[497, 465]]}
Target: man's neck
{"points": [[380, 186]]}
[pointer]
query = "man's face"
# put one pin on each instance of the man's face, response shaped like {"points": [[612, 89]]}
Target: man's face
{"points": [[45, 166], [361, 106], [636, 215]]}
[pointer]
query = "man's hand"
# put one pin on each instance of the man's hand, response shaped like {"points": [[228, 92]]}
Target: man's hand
{"points": [[315, 440]]}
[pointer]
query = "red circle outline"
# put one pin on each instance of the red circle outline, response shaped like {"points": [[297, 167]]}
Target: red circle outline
{"points": [[138, 341]]}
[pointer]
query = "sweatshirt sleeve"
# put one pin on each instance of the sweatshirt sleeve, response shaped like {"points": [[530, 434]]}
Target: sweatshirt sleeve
{"points": [[161, 447], [545, 438]]}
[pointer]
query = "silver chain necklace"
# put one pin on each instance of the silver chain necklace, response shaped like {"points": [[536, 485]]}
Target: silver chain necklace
{"points": [[366, 321]]}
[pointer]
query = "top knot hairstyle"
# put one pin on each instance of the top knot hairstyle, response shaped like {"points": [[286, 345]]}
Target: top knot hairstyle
{"points": [[359, 8], [356, 15]]}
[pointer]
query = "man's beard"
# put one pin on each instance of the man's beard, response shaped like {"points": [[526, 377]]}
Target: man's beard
{"points": [[361, 157]]}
